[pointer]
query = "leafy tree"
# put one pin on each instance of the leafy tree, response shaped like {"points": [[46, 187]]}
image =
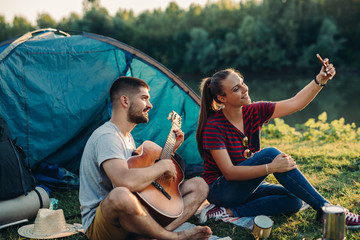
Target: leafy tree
{"points": [[149, 35], [4, 29], [201, 52], [97, 20], [258, 46], [122, 29], [346, 15], [20, 26], [328, 44], [177, 50], [44, 20], [229, 50], [70, 23], [192, 18]]}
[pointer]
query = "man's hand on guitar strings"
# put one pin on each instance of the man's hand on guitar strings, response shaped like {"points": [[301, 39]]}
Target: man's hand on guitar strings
{"points": [[170, 174]]}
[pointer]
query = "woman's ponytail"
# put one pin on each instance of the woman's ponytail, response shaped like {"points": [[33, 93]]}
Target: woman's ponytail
{"points": [[206, 109], [210, 88]]}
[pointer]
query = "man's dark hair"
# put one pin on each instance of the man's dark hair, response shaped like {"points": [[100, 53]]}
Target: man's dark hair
{"points": [[128, 86]]}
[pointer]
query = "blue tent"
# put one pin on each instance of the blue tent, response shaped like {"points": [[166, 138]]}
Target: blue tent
{"points": [[54, 91]]}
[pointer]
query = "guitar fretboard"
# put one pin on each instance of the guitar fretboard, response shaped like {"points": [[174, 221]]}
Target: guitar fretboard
{"points": [[166, 152], [169, 145]]}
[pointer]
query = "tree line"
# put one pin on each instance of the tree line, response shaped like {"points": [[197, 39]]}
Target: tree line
{"points": [[251, 35]]}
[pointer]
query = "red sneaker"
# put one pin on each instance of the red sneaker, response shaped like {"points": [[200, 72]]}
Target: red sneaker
{"points": [[212, 211], [352, 219]]}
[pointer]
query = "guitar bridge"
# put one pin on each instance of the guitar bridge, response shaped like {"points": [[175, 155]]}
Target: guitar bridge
{"points": [[161, 189]]}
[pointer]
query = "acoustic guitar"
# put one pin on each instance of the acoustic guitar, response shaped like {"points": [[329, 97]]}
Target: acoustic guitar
{"points": [[162, 198]]}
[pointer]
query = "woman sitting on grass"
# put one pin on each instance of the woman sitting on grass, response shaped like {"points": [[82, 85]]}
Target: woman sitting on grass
{"points": [[235, 167]]}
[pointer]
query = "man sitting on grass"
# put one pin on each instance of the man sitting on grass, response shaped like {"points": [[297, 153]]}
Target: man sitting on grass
{"points": [[109, 208]]}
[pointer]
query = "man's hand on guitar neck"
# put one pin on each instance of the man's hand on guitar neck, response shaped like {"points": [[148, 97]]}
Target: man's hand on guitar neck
{"points": [[179, 139]]}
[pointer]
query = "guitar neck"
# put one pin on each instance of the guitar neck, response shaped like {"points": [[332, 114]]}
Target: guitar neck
{"points": [[169, 145]]}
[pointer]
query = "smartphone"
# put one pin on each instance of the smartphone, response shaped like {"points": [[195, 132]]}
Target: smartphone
{"points": [[323, 63], [321, 60]]}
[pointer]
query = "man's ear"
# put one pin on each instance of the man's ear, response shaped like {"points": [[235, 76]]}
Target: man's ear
{"points": [[124, 100]]}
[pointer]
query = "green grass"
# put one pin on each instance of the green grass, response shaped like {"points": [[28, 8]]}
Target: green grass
{"points": [[333, 168]]}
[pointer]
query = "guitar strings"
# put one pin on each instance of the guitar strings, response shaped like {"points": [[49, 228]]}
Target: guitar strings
{"points": [[170, 142]]}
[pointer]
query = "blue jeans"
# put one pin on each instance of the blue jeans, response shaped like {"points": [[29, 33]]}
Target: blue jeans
{"points": [[257, 197]]}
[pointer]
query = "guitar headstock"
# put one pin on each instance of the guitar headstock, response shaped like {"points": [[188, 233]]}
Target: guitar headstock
{"points": [[175, 119]]}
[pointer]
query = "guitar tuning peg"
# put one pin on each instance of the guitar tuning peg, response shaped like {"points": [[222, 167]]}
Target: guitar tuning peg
{"points": [[170, 115]]}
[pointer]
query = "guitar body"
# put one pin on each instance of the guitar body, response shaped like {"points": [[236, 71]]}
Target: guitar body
{"points": [[163, 209]]}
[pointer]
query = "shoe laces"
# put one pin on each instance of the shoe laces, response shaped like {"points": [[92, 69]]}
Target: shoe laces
{"points": [[217, 213], [352, 216]]}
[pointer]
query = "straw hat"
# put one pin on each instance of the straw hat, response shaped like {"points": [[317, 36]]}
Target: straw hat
{"points": [[48, 224]]}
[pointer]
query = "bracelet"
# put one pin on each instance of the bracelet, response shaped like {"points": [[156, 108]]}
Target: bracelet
{"points": [[321, 85], [267, 169]]}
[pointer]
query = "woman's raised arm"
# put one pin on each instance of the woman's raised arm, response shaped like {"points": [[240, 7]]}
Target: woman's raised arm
{"points": [[307, 94]]}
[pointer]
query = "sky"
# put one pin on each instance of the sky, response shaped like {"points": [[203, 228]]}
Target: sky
{"points": [[62, 8]]}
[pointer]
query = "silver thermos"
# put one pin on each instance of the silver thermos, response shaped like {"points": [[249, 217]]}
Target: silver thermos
{"points": [[334, 223]]}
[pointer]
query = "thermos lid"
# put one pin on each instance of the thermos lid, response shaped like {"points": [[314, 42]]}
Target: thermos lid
{"points": [[333, 209], [263, 221]]}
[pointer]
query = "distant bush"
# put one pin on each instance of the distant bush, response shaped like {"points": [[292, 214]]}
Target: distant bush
{"points": [[312, 130]]}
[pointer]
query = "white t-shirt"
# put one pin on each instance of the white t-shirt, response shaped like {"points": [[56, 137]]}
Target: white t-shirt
{"points": [[105, 143]]}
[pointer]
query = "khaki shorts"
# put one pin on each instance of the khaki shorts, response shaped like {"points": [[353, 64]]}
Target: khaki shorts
{"points": [[101, 229]]}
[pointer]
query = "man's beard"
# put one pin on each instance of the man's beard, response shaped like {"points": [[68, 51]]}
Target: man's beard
{"points": [[136, 116]]}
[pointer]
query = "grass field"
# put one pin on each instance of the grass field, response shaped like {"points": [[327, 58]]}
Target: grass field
{"points": [[333, 168]]}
